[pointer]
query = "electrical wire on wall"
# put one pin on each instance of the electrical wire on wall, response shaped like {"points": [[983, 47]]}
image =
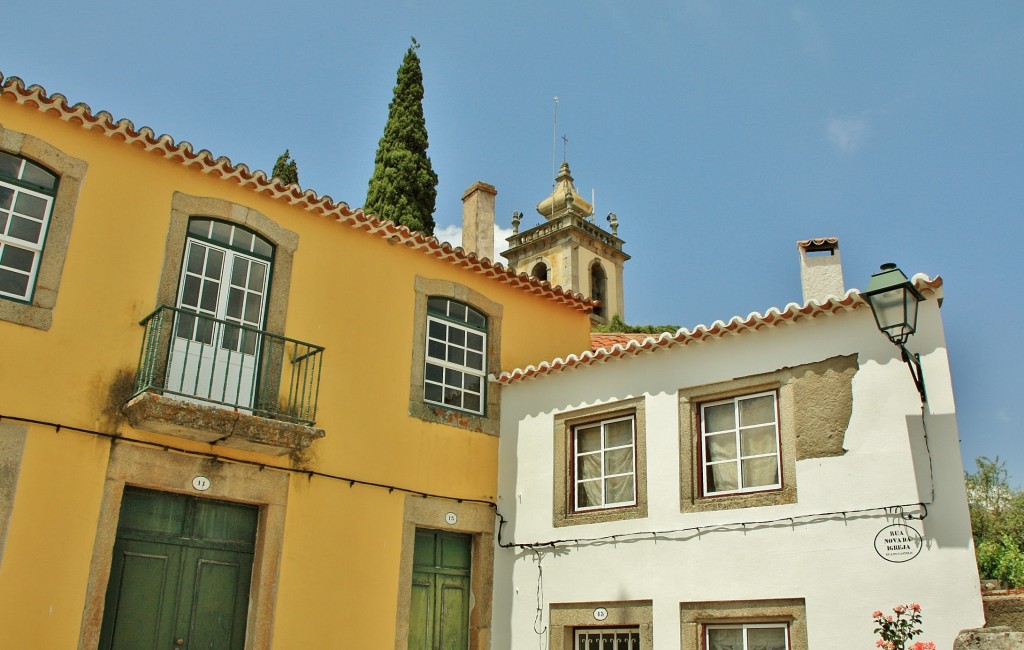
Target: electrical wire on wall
{"points": [[308, 473], [928, 452], [538, 620], [673, 534], [906, 512]]}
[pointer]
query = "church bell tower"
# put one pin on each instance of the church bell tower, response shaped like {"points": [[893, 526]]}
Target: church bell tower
{"points": [[570, 250]]}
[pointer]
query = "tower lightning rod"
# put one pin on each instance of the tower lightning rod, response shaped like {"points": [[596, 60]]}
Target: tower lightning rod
{"points": [[554, 145]]}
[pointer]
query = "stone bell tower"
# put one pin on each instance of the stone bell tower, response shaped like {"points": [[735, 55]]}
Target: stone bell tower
{"points": [[570, 250]]}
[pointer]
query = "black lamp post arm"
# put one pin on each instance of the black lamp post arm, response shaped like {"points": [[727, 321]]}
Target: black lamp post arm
{"points": [[913, 361]]}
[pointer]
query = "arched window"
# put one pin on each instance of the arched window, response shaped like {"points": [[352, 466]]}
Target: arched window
{"points": [[598, 286], [540, 271], [456, 355], [27, 192], [222, 299]]}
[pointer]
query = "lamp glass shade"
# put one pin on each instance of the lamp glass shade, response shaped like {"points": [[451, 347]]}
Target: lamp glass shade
{"points": [[893, 299], [896, 313]]}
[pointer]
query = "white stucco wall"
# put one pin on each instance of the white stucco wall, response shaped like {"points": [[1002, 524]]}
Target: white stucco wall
{"points": [[830, 561]]}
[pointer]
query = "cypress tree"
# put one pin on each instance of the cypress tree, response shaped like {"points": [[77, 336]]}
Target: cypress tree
{"points": [[403, 187], [286, 169]]}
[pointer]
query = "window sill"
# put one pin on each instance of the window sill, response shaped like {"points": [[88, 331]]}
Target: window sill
{"points": [[600, 515], [214, 425], [734, 500], [453, 418]]}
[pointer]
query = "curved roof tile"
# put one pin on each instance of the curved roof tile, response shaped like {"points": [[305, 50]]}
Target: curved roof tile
{"points": [[222, 167], [736, 325], [820, 241]]}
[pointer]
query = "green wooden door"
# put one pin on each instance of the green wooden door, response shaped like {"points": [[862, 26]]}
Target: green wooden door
{"points": [[439, 612], [179, 578]]}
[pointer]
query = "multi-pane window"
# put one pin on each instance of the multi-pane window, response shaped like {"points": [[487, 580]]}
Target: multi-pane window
{"points": [[740, 444], [604, 462], [456, 372], [608, 639], [26, 203], [747, 636], [225, 276]]}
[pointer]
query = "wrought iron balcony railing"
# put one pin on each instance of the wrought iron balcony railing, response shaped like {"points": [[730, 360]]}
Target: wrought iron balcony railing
{"points": [[207, 360]]}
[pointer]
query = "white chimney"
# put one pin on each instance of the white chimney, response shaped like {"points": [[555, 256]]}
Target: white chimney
{"points": [[478, 219], [821, 269]]}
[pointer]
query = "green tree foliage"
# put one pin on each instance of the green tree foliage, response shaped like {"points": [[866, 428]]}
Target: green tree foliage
{"points": [[618, 326], [286, 169], [997, 518], [403, 187]]}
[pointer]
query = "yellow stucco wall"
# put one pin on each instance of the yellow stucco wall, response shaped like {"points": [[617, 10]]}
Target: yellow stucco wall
{"points": [[350, 292]]}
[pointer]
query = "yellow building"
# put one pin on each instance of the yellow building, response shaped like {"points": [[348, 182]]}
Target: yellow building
{"points": [[231, 410]]}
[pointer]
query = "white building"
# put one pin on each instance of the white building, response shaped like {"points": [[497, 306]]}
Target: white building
{"points": [[748, 479]]}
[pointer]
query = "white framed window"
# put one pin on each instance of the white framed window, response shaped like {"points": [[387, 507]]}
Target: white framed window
{"points": [[455, 371], [221, 305], [624, 638], [604, 463], [740, 444], [27, 192], [747, 636]]}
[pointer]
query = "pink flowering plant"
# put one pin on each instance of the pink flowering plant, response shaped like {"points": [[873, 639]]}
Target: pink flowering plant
{"points": [[897, 631]]}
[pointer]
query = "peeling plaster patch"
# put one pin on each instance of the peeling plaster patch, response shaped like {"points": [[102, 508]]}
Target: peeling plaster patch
{"points": [[823, 394]]}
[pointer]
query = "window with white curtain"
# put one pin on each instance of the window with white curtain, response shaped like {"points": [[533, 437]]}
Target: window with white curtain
{"points": [[747, 636], [604, 463], [740, 444]]}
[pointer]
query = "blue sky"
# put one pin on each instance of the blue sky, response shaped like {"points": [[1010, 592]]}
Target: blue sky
{"points": [[720, 133]]}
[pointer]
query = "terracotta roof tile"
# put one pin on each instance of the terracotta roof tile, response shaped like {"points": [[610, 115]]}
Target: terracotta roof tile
{"points": [[257, 181], [773, 317], [821, 241], [602, 340]]}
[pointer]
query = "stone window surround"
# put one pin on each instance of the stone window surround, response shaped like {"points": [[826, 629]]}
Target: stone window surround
{"points": [[563, 509], [695, 615], [71, 173], [12, 449], [156, 469], [565, 618], [490, 421], [474, 519], [815, 402]]}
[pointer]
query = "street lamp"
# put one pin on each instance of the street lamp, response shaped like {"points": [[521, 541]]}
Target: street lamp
{"points": [[894, 300]]}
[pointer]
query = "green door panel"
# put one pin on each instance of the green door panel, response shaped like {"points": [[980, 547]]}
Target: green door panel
{"points": [[181, 570], [217, 615], [456, 552], [439, 603], [421, 620], [156, 512], [454, 614], [224, 522], [140, 595]]}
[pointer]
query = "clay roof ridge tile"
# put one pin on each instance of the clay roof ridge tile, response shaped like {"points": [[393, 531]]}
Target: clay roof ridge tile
{"points": [[771, 317], [259, 181]]}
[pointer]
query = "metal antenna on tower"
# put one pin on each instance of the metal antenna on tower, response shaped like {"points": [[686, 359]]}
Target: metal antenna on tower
{"points": [[554, 145]]}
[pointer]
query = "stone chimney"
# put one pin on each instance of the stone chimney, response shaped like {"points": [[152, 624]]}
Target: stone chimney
{"points": [[821, 269], [478, 219]]}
